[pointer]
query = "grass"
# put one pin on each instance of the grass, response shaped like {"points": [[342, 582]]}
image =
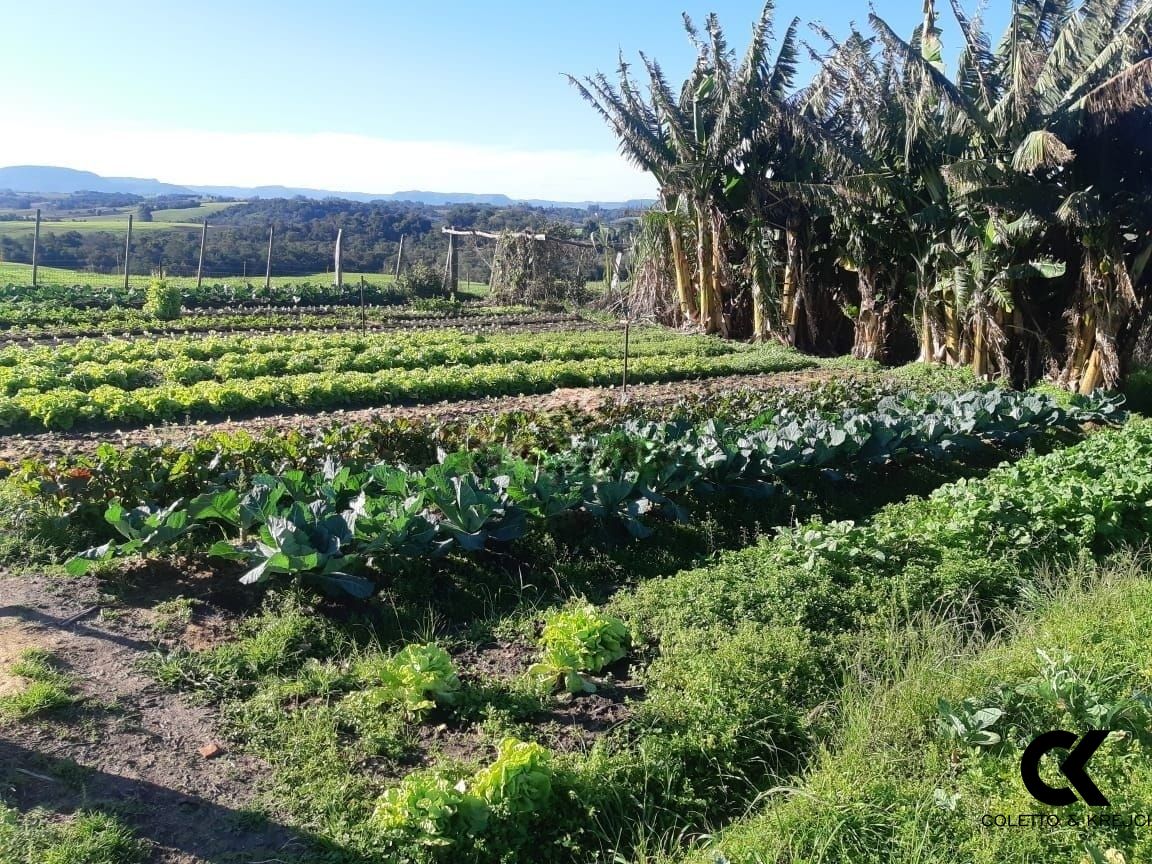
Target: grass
{"points": [[91, 225], [21, 274], [892, 786], [85, 838], [48, 687]]}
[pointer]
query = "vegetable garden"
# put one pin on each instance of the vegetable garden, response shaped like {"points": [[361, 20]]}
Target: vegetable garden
{"points": [[304, 575]]}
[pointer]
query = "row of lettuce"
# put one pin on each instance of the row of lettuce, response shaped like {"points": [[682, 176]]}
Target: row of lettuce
{"points": [[67, 323], [131, 364], [741, 662], [66, 407], [351, 528]]}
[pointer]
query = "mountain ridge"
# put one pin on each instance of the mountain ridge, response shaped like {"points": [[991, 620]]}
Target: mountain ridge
{"points": [[56, 180]]}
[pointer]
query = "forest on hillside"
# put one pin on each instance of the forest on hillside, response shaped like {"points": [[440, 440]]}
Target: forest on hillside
{"points": [[304, 233]]}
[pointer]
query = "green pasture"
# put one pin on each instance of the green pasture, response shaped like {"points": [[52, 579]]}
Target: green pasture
{"points": [[21, 274]]}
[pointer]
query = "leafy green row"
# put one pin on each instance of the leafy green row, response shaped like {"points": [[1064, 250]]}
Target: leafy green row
{"points": [[63, 408], [748, 652], [134, 364], [79, 487], [88, 323], [344, 529], [213, 294]]}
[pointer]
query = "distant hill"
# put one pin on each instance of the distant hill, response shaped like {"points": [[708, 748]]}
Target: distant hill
{"points": [[48, 180]]}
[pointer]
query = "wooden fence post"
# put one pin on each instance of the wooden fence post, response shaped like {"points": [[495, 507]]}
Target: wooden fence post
{"points": [[624, 383], [268, 269], [127, 252], [399, 257], [36, 249], [340, 258], [200, 266], [452, 269]]}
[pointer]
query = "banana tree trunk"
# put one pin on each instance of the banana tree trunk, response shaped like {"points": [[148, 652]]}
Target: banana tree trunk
{"points": [[979, 347], [871, 322], [761, 284], [793, 276], [689, 311], [706, 285], [1103, 306], [951, 331], [718, 265]]}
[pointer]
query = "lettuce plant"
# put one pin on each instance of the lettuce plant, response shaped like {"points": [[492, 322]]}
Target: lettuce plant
{"points": [[519, 780], [418, 678], [580, 639]]}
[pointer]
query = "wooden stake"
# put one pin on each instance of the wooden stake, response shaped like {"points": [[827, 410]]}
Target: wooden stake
{"points": [[268, 269], [340, 258], [36, 249], [363, 312], [452, 269], [399, 257], [127, 251], [203, 243], [624, 383]]}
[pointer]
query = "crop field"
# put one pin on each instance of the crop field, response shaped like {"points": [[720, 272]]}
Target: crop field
{"points": [[565, 627]]}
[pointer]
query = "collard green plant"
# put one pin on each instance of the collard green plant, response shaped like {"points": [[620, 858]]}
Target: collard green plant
{"points": [[968, 723]]}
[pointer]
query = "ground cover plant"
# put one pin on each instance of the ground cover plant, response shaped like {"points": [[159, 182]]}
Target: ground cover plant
{"points": [[735, 660], [145, 381], [340, 525], [907, 779], [87, 838]]}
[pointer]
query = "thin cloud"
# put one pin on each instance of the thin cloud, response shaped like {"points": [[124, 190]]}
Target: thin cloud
{"points": [[350, 163]]}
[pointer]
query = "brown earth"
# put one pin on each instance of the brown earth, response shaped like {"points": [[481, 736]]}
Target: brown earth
{"points": [[129, 747]]}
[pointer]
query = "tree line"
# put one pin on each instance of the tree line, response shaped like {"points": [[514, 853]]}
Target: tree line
{"points": [[997, 214], [304, 238]]}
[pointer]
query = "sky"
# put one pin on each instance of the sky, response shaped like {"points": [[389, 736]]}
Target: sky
{"points": [[353, 96]]}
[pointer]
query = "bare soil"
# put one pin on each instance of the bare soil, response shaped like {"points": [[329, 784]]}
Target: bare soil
{"points": [[129, 747]]}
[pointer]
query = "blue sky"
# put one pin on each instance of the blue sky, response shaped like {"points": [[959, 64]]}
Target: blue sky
{"points": [[355, 95]]}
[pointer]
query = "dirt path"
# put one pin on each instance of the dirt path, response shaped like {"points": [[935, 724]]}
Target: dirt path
{"points": [[129, 747], [49, 445]]}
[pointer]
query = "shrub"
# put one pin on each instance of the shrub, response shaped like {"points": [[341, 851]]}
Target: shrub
{"points": [[162, 301], [421, 281]]}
